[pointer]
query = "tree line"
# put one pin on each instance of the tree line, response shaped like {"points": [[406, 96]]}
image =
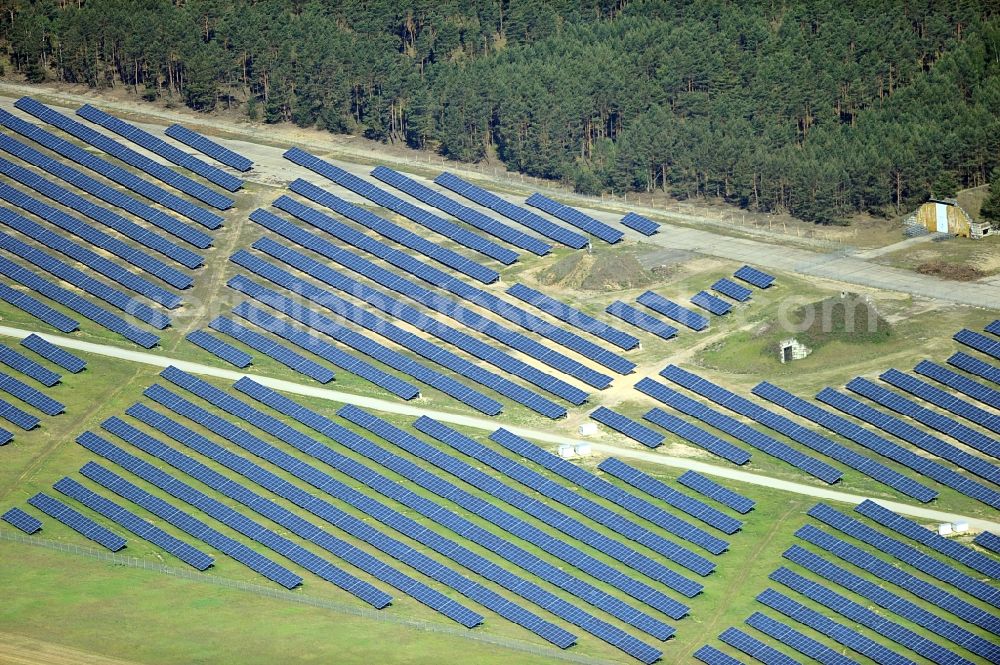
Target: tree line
{"points": [[820, 108]]}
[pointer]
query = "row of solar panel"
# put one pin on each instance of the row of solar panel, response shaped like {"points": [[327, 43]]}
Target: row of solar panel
{"points": [[573, 316], [117, 174], [125, 154], [38, 309], [982, 343], [472, 217], [160, 147], [208, 147], [28, 367], [56, 192], [640, 320], [272, 349], [22, 520], [646, 227], [576, 218], [219, 348], [683, 428]]}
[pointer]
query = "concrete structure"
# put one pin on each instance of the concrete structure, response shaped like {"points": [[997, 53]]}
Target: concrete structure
{"points": [[566, 451], [588, 429], [946, 216], [792, 349], [583, 450]]}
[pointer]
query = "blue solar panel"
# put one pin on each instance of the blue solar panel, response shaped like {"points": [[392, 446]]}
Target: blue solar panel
{"points": [[672, 310], [947, 401], [328, 352], [208, 147], [576, 218], [38, 309], [975, 366], [732, 289], [706, 300], [573, 316], [219, 348], [755, 277], [127, 155], [970, 437], [83, 525], [272, 349], [929, 538], [627, 426], [646, 227], [905, 553], [16, 416], [21, 520], [754, 648], [660, 490], [978, 342], [84, 282], [191, 526], [132, 522], [713, 490], [527, 218], [500, 518], [114, 173], [712, 656], [5, 437], [99, 240], [459, 211], [544, 512], [28, 367], [29, 395], [798, 641], [630, 314], [379, 196], [955, 381], [683, 428], [160, 147], [53, 353], [884, 570], [988, 541], [113, 220]]}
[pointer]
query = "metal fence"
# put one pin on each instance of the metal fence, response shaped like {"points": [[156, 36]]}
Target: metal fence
{"points": [[383, 616]]}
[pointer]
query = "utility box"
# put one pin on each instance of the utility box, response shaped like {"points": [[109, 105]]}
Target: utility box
{"points": [[566, 451], [960, 527], [944, 529], [588, 429], [583, 450]]}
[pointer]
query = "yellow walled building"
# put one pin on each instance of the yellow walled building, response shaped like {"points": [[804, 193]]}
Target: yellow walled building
{"points": [[946, 216]]}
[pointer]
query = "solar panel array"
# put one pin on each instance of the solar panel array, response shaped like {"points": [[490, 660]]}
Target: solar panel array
{"points": [[650, 324], [741, 431], [910, 529], [955, 381], [208, 147], [160, 147], [561, 521], [713, 490], [573, 316], [730, 288], [841, 634], [191, 526], [884, 570], [576, 218], [712, 656], [975, 366], [84, 282], [326, 351], [38, 309], [646, 227], [433, 300], [117, 174], [911, 434], [28, 367], [755, 277], [609, 518], [53, 353], [99, 239], [22, 520], [706, 300], [683, 428], [988, 541], [491, 513], [219, 348], [127, 155], [133, 523], [907, 554], [377, 195], [221, 512], [660, 490], [414, 241], [947, 401], [672, 310], [80, 523], [16, 416], [978, 342], [527, 218], [272, 349], [993, 327], [754, 648], [970, 437], [146, 237], [5, 437], [29, 395], [627, 426], [442, 331], [796, 640], [459, 211]]}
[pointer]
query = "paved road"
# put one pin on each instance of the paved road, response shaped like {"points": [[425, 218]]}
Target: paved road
{"points": [[406, 409]]}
